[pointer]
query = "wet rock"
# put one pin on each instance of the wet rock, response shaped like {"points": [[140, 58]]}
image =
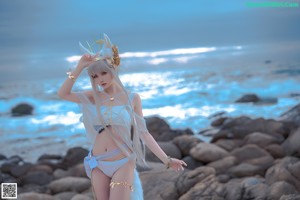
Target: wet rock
{"points": [[6, 167], [7, 178], [19, 170], [161, 131], [251, 181], [156, 126], [208, 132], [52, 163], [222, 165], [253, 98], [192, 163], [159, 184], [290, 197], [294, 169], [60, 173], [22, 109], [284, 170], [32, 188], [249, 151], [168, 147], [74, 156], [13, 160], [245, 188], [228, 144], [263, 140], [151, 166], [292, 145], [263, 162], [244, 169], [233, 190], [292, 115], [64, 195], [185, 143], [281, 188], [275, 150], [170, 135], [41, 168], [206, 152], [81, 197], [257, 191], [215, 115], [47, 156], [294, 94], [218, 122], [76, 184], [2, 157], [39, 178], [268, 61], [77, 170], [240, 127], [223, 178], [35, 196], [207, 190], [191, 178], [248, 98]]}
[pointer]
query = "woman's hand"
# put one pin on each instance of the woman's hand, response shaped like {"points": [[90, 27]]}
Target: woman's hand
{"points": [[176, 164], [86, 60]]}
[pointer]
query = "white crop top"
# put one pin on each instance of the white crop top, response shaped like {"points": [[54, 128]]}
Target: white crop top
{"points": [[118, 115], [119, 118]]}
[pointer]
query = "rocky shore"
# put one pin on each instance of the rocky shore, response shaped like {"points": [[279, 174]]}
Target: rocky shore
{"points": [[246, 159]]}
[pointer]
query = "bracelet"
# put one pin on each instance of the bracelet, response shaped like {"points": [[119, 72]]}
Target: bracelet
{"points": [[71, 76], [168, 164]]}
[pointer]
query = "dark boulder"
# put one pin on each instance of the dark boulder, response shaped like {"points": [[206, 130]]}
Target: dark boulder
{"points": [[248, 98], [185, 143], [238, 128], [74, 156], [22, 109], [291, 145], [292, 115]]}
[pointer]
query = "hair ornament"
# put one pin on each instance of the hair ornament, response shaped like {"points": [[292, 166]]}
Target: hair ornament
{"points": [[108, 51]]}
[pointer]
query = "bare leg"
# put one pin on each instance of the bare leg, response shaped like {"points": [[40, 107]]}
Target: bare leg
{"points": [[121, 182], [100, 184]]}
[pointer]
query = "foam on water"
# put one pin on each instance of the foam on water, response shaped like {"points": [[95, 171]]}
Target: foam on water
{"points": [[186, 90]]}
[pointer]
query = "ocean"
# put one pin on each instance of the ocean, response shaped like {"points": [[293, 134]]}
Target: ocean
{"points": [[188, 61], [184, 86]]}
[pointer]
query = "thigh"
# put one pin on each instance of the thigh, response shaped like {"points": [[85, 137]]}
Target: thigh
{"points": [[100, 184], [124, 174]]}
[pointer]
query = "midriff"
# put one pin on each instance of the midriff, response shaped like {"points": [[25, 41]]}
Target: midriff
{"points": [[104, 143]]}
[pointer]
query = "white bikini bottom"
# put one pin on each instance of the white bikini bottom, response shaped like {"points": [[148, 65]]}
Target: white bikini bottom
{"points": [[107, 167]]}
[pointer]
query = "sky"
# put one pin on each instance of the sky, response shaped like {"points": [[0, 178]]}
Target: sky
{"points": [[36, 36]]}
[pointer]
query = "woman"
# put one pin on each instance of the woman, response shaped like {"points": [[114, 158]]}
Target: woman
{"points": [[115, 126]]}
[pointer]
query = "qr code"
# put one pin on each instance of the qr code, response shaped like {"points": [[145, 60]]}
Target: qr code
{"points": [[9, 190]]}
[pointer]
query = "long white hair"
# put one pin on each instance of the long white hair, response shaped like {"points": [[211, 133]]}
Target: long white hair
{"points": [[133, 140]]}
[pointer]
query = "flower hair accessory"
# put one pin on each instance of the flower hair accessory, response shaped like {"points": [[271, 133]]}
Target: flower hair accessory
{"points": [[108, 51]]}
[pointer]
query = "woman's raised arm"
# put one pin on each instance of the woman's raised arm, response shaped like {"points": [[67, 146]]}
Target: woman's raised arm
{"points": [[64, 91]]}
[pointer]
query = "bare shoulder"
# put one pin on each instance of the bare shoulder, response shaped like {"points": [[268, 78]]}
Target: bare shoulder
{"points": [[137, 104], [136, 99], [134, 96]]}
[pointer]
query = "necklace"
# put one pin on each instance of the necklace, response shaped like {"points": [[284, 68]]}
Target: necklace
{"points": [[111, 99]]}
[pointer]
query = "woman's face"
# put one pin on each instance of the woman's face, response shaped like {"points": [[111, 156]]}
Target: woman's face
{"points": [[104, 79]]}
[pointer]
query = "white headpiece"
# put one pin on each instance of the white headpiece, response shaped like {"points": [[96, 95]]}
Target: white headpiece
{"points": [[108, 51]]}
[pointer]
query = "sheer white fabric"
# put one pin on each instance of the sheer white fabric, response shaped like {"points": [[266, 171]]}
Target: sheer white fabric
{"points": [[118, 116]]}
